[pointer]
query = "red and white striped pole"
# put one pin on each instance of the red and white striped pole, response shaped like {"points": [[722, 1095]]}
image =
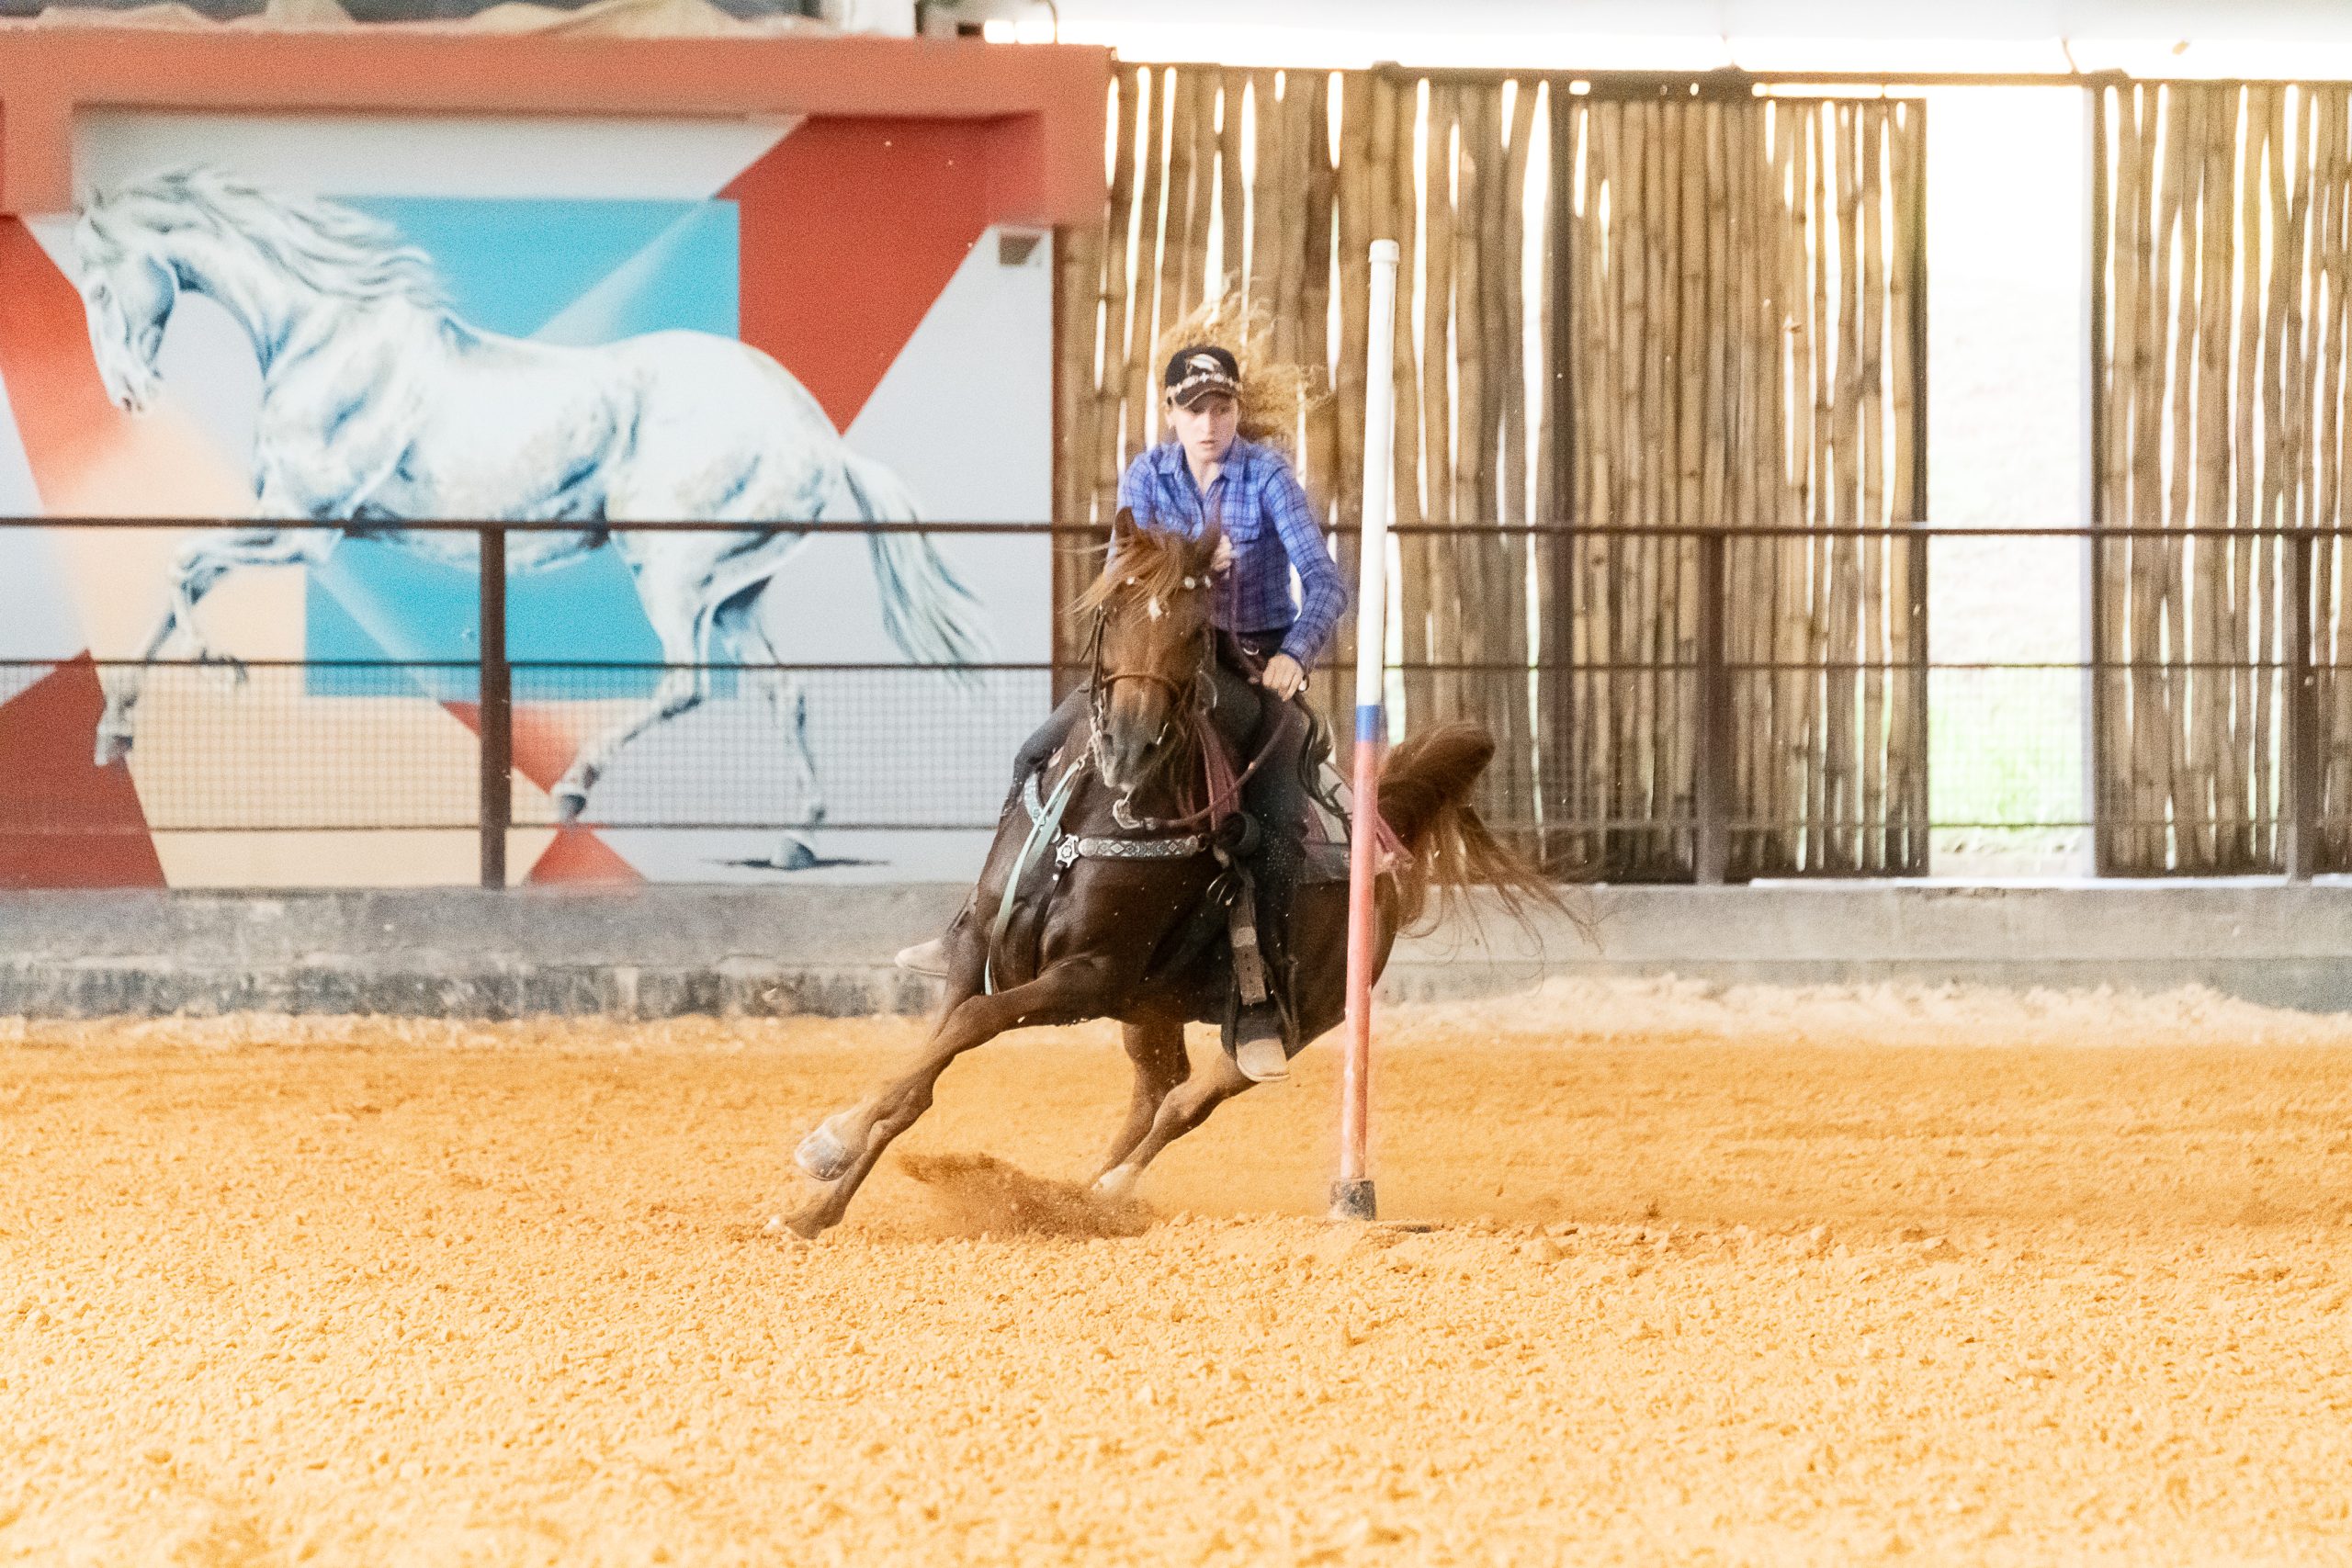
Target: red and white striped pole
{"points": [[1352, 1197]]}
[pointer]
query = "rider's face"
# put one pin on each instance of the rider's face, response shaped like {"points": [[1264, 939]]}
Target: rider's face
{"points": [[1206, 430]]}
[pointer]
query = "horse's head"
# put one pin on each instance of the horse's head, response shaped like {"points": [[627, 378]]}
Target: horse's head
{"points": [[127, 292], [1153, 598], [266, 256]]}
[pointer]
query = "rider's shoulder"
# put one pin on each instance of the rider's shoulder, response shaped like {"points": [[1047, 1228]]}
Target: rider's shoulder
{"points": [[1258, 459]]}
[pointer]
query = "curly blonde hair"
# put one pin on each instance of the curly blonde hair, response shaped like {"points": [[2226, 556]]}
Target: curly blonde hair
{"points": [[1274, 396]]}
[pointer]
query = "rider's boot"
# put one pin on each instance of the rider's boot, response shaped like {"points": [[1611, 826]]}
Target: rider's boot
{"points": [[932, 957], [1260, 1033], [925, 957], [1258, 1043]]}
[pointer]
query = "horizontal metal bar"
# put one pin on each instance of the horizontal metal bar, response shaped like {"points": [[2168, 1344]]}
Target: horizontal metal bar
{"points": [[1482, 529], [552, 526], [471, 825], [223, 668], [1466, 667], [1678, 824], [1847, 667], [1684, 824]]}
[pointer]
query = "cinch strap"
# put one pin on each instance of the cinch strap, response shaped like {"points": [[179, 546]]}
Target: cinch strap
{"points": [[1045, 825]]}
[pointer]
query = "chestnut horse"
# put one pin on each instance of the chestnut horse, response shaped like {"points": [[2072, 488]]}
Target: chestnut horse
{"points": [[1112, 864]]}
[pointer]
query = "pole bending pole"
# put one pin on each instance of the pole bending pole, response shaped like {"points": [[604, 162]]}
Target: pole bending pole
{"points": [[1351, 1196]]}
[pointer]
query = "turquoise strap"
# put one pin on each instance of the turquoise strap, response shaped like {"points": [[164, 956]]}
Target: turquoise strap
{"points": [[1044, 826]]}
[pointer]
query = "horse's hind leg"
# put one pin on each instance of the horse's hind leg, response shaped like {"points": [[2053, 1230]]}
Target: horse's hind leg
{"points": [[1157, 1052], [1184, 1109], [1055, 997], [788, 702], [673, 608]]}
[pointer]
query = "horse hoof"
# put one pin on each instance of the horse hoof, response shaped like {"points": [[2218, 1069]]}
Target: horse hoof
{"points": [[822, 1156], [112, 748], [1118, 1182], [797, 855], [785, 1230], [571, 800]]}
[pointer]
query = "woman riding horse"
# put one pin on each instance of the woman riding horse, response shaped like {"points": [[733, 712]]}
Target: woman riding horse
{"points": [[1111, 877], [1207, 473]]}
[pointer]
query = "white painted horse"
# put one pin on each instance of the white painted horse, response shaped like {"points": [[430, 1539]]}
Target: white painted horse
{"points": [[380, 404]]}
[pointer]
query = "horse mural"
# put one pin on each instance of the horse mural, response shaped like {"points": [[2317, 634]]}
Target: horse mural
{"points": [[380, 404]]}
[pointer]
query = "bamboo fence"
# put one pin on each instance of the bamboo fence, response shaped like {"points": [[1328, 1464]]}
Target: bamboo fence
{"points": [[1747, 283], [2221, 275], [1634, 311]]}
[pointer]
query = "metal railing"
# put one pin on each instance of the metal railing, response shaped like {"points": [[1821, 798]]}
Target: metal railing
{"points": [[1678, 754]]}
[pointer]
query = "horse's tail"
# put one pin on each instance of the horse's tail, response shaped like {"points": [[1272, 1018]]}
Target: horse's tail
{"points": [[928, 612], [1425, 798]]}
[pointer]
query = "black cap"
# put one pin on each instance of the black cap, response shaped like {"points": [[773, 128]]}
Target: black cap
{"points": [[1195, 372]]}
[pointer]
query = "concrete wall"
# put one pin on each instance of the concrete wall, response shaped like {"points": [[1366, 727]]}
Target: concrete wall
{"points": [[657, 951]]}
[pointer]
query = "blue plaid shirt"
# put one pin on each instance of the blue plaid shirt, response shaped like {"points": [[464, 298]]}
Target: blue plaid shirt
{"points": [[1274, 529]]}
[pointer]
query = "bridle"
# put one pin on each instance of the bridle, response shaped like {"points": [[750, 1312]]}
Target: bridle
{"points": [[1191, 698], [1189, 695]]}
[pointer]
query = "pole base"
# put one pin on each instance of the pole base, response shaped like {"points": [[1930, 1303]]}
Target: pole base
{"points": [[1353, 1201]]}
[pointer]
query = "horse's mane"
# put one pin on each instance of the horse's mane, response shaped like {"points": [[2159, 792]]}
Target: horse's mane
{"points": [[1149, 563], [322, 243]]}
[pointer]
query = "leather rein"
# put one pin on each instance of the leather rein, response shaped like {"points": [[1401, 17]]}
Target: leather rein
{"points": [[1191, 698]]}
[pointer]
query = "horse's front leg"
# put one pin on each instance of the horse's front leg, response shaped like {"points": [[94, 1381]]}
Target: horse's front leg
{"points": [[208, 557], [845, 1149], [1157, 1049], [195, 571], [1184, 1109]]}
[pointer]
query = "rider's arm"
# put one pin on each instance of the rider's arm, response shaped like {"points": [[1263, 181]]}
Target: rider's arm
{"points": [[1323, 596]]}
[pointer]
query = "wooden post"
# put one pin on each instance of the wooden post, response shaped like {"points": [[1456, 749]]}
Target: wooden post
{"points": [[1711, 790], [1233, 194], [1119, 248], [1367, 153], [497, 711], [1153, 298], [2301, 854], [1188, 198]]}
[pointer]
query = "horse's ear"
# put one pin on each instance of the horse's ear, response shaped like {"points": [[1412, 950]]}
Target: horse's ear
{"points": [[1122, 529], [1212, 535]]}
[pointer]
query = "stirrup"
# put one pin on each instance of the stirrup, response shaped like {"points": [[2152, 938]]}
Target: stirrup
{"points": [[1262, 1060]]}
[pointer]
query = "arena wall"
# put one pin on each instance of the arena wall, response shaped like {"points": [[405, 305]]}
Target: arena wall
{"points": [[735, 279], [667, 951]]}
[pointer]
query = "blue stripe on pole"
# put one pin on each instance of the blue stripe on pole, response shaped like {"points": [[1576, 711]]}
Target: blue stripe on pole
{"points": [[1369, 726]]}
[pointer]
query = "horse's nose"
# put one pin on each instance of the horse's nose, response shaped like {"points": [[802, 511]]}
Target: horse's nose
{"points": [[1127, 748], [1130, 746]]}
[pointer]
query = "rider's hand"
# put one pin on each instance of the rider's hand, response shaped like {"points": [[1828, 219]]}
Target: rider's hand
{"points": [[1222, 561], [1282, 676]]}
